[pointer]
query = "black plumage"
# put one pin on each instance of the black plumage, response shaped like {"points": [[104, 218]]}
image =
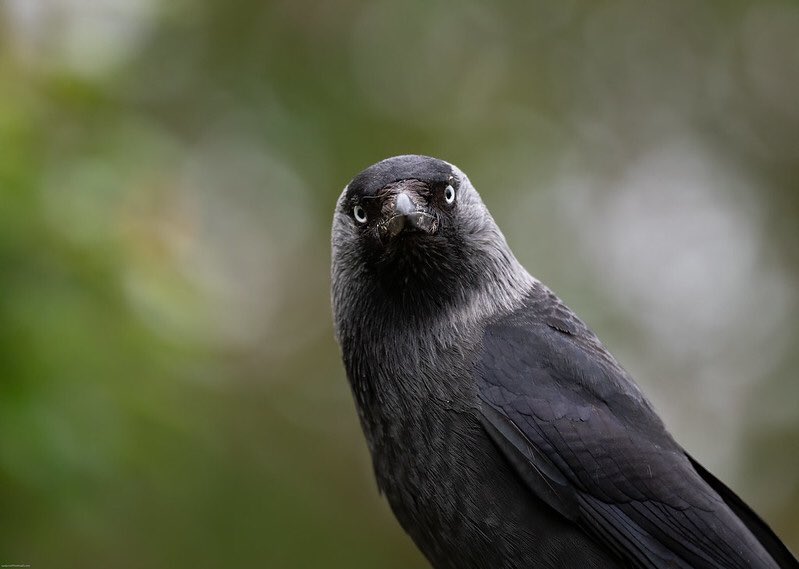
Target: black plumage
{"points": [[502, 432]]}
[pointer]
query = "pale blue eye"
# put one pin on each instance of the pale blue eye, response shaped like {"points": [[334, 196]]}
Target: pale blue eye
{"points": [[449, 194], [359, 213]]}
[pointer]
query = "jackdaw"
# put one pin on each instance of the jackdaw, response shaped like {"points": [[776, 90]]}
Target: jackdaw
{"points": [[502, 432]]}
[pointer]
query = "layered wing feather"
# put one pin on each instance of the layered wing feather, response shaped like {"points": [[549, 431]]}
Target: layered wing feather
{"points": [[589, 444]]}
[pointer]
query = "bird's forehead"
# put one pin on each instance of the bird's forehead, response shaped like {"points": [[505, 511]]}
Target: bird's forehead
{"points": [[376, 177]]}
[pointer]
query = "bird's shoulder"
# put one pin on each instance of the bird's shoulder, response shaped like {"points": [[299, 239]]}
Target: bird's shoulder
{"points": [[545, 336]]}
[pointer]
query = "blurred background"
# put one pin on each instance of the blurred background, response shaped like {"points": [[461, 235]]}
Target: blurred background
{"points": [[172, 394]]}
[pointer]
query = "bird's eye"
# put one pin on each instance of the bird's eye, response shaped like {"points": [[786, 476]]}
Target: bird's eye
{"points": [[359, 213], [449, 194]]}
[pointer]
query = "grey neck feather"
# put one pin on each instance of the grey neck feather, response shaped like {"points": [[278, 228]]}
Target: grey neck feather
{"points": [[502, 282]]}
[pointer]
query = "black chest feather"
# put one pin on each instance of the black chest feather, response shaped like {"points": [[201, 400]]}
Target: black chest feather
{"points": [[446, 481]]}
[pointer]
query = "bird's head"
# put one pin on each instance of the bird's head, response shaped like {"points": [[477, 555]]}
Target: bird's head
{"points": [[412, 230]]}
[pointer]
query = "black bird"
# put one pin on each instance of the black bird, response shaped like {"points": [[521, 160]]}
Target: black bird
{"points": [[503, 434]]}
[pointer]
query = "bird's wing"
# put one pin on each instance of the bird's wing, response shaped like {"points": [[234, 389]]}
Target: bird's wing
{"points": [[587, 442], [764, 534]]}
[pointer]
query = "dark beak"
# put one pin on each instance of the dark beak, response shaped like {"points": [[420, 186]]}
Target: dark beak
{"points": [[406, 215]]}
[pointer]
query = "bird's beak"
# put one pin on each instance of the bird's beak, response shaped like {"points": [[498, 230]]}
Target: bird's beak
{"points": [[406, 215]]}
